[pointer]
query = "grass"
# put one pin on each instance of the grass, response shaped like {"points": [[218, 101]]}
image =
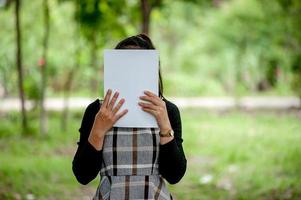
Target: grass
{"points": [[231, 155], [245, 155], [40, 165]]}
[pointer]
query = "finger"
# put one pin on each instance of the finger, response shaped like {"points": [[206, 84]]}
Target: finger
{"points": [[153, 112], [117, 107], [147, 92], [107, 97], [119, 115], [148, 105], [151, 99], [111, 104]]}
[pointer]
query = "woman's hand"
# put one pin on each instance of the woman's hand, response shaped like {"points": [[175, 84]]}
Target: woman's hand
{"points": [[157, 108], [105, 119]]}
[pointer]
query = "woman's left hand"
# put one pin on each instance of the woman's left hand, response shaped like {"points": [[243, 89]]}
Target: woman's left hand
{"points": [[157, 108]]}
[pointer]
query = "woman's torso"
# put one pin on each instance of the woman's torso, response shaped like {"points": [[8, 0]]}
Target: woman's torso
{"points": [[130, 168]]}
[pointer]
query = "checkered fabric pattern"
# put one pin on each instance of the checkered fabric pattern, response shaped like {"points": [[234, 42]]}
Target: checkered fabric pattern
{"points": [[129, 168]]}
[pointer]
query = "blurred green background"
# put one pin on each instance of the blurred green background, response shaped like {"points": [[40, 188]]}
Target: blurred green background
{"points": [[217, 48]]}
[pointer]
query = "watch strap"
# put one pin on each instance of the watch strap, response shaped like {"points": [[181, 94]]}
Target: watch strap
{"points": [[169, 133]]}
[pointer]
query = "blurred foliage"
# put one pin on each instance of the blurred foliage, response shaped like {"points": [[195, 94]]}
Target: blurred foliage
{"points": [[207, 47], [233, 47]]}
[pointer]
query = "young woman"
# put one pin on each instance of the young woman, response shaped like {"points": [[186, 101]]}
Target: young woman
{"points": [[132, 162]]}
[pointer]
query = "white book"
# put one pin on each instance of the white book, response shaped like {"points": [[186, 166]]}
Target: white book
{"points": [[130, 72]]}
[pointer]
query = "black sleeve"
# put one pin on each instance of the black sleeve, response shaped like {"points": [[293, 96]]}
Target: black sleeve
{"points": [[172, 160], [87, 160]]}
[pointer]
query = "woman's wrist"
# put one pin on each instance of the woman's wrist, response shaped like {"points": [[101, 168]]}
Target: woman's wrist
{"points": [[96, 140], [166, 139], [165, 128]]}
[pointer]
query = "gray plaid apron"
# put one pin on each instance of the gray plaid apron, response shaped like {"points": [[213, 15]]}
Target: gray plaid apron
{"points": [[129, 168]]}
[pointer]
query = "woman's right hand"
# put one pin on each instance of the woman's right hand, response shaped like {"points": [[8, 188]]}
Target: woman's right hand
{"points": [[105, 119]]}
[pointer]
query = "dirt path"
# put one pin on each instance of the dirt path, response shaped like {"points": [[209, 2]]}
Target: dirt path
{"points": [[275, 102]]}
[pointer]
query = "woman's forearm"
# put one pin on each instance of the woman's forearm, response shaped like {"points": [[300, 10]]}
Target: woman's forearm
{"points": [[86, 162], [172, 162], [164, 140]]}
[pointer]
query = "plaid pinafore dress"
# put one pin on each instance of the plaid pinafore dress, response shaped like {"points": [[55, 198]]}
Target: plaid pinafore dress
{"points": [[129, 168]]}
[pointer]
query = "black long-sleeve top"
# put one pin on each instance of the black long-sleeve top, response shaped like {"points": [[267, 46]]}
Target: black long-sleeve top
{"points": [[86, 163]]}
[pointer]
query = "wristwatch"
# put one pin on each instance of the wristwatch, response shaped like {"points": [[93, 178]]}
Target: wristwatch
{"points": [[169, 133]]}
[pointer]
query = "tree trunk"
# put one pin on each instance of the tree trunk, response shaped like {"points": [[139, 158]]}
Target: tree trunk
{"points": [[94, 64], [43, 114], [67, 89], [19, 66], [4, 83], [145, 12]]}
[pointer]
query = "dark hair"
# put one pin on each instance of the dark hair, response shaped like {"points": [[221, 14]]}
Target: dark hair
{"points": [[141, 41]]}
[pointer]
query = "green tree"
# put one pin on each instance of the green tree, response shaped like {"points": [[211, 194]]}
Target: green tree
{"points": [[98, 21]]}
